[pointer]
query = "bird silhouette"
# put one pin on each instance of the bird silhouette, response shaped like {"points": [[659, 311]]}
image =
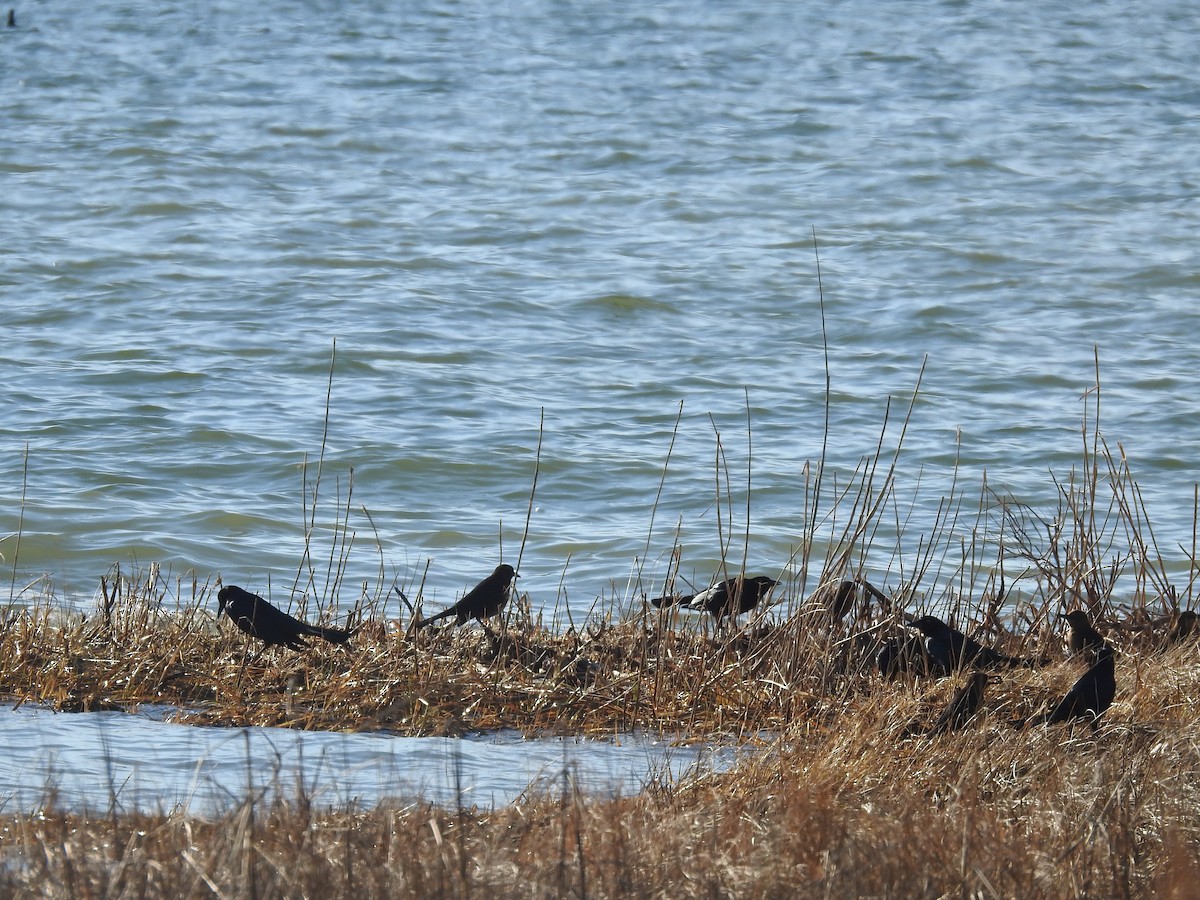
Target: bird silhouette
{"points": [[1184, 628], [728, 598], [952, 650], [834, 600], [1081, 636], [256, 617], [962, 706], [1090, 696], [907, 656], [483, 601]]}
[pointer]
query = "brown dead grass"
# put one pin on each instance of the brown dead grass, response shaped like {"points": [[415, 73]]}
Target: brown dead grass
{"points": [[839, 805], [649, 671]]}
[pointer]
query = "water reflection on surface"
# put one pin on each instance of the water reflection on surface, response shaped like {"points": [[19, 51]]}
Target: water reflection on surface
{"points": [[139, 762]]}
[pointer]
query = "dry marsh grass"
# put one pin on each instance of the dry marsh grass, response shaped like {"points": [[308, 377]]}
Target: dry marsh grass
{"points": [[839, 806]]}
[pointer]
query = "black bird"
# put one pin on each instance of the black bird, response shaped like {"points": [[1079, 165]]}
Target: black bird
{"points": [[962, 706], [907, 655], [1185, 627], [1090, 696], [730, 597], [952, 650], [835, 599], [483, 601], [259, 619], [1081, 636]]}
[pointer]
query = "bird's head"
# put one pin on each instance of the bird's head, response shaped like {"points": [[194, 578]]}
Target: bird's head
{"points": [[1077, 618], [930, 626]]}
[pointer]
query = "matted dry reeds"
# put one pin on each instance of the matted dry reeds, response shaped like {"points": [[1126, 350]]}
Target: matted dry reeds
{"points": [[838, 803]]}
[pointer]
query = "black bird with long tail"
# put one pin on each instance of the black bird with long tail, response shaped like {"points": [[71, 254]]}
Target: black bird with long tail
{"points": [[963, 707], [483, 601], [953, 650], [256, 617], [907, 656], [1088, 697], [725, 599]]}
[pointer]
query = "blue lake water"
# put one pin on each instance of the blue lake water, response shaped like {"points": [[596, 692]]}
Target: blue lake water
{"points": [[139, 763], [571, 223]]}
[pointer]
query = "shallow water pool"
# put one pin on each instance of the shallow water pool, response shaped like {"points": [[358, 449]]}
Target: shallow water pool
{"points": [[93, 761]]}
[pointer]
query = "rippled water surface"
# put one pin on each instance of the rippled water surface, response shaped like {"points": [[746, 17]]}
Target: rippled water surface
{"points": [[575, 222], [100, 761]]}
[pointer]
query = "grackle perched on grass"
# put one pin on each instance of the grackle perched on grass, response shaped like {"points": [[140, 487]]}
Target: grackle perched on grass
{"points": [[907, 656], [1185, 627], [259, 619], [1082, 637], [1090, 696], [835, 599], [483, 601], [730, 597], [962, 706], [953, 650]]}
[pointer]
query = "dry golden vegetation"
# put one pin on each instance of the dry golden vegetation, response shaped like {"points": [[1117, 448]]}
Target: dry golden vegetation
{"points": [[840, 803], [648, 671]]}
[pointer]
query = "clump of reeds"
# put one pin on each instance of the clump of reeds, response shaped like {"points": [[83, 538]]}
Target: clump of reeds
{"points": [[610, 676]]}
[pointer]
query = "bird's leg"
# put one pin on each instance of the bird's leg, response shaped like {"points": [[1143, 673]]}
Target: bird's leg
{"points": [[245, 663]]}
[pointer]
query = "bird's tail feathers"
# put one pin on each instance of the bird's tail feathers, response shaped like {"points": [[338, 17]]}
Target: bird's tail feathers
{"points": [[444, 614], [333, 635], [671, 600]]}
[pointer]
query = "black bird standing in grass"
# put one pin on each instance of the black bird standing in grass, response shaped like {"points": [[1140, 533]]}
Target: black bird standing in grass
{"points": [[1081, 636], [962, 706], [834, 600], [1185, 627], [1090, 696], [259, 619], [952, 650], [483, 601], [730, 597], [907, 656]]}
